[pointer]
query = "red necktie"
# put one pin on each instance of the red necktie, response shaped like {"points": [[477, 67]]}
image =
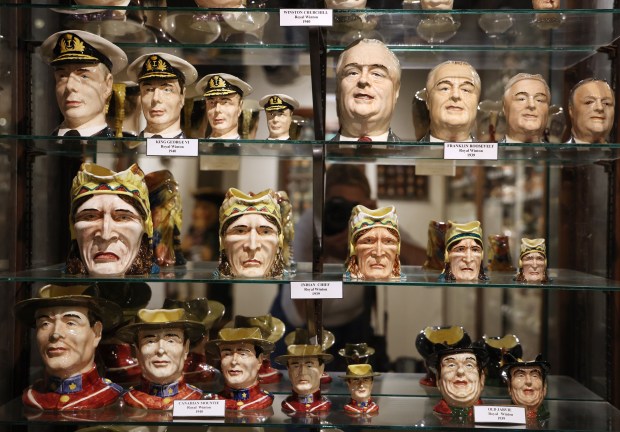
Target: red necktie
{"points": [[364, 139]]}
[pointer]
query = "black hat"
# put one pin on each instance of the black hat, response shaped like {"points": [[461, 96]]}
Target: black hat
{"points": [[435, 338], [510, 362], [434, 360]]}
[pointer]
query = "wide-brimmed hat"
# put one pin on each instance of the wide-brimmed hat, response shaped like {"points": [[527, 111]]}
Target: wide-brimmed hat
{"points": [[109, 313], [78, 46], [356, 350], [300, 336], [510, 362], [157, 319], [363, 370], [301, 351], [222, 84], [499, 346], [278, 101], [203, 310], [251, 335], [270, 327], [161, 66], [435, 338]]}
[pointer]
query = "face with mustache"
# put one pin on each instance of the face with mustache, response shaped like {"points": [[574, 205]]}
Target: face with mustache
{"points": [[162, 354], [368, 88], [108, 232], [66, 340], [460, 381], [82, 91], [453, 94]]}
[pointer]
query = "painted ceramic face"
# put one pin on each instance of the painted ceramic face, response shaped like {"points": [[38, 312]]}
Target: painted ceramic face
{"points": [[437, 4], [453, 100], [592, 112], [533, 267], [161, 354], [279, 122], [526, 106], [376, 253], [108, 232], [465, 260], [251, 244], [546, 4], [345, 4], [239, 364], [460, 381], [219, 3], [527, 387], [162, 102], [223, 115], [360, 388], [305, 374], [367, 86], [66, 341], [81, 93]]}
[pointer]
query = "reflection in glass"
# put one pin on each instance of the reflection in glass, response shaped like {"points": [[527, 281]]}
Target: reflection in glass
{"points": [[438, 28], [495, 24]]}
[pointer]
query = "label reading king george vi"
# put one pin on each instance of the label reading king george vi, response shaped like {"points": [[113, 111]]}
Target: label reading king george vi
{"points": [[470, 151], [199, 408], [306, 17], [171, 147], [316, 290], [499, 414]]}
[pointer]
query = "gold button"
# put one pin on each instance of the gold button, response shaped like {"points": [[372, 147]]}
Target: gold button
{"points": [[239, 403], [167, 400], [64, 398]]}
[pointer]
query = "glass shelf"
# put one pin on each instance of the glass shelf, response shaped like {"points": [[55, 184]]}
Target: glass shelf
{"points": [[559, 387], [402, 153], [394, 413], [561, 279]]}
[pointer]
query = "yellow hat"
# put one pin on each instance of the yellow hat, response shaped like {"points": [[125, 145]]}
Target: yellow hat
{"points": [[77, 46], [279, 101], [301, 351], [532, 245], [93, 179], [457, 232], [362, 370], [109, 313], [300, 336], [251, 335], [270, 327], [362, 219], [222, 84], [156, 319], [161, 66], [237, 203]]}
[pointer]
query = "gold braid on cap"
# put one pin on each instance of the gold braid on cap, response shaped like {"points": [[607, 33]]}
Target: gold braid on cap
{"points": [[94, 179]]}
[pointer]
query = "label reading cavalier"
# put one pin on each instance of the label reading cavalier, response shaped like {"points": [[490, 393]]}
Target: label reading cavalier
{"points": [[316, 290], [199, 408], [499, 414], [470, 151], [306, 17], [171, 147]]}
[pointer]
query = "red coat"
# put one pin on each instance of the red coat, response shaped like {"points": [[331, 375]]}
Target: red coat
{"points": [[253, 398], [308, 403], [356, 407], [444, 409], [160, 397], [79, 392]]}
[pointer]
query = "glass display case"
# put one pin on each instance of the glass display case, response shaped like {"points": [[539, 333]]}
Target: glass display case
{"points": [[565, 193]]}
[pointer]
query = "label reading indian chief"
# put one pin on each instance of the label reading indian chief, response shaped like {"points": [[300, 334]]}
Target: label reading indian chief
{"points": [[306, 17], [171, 147], [470, 151], [199, 408], [316, 290]]}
